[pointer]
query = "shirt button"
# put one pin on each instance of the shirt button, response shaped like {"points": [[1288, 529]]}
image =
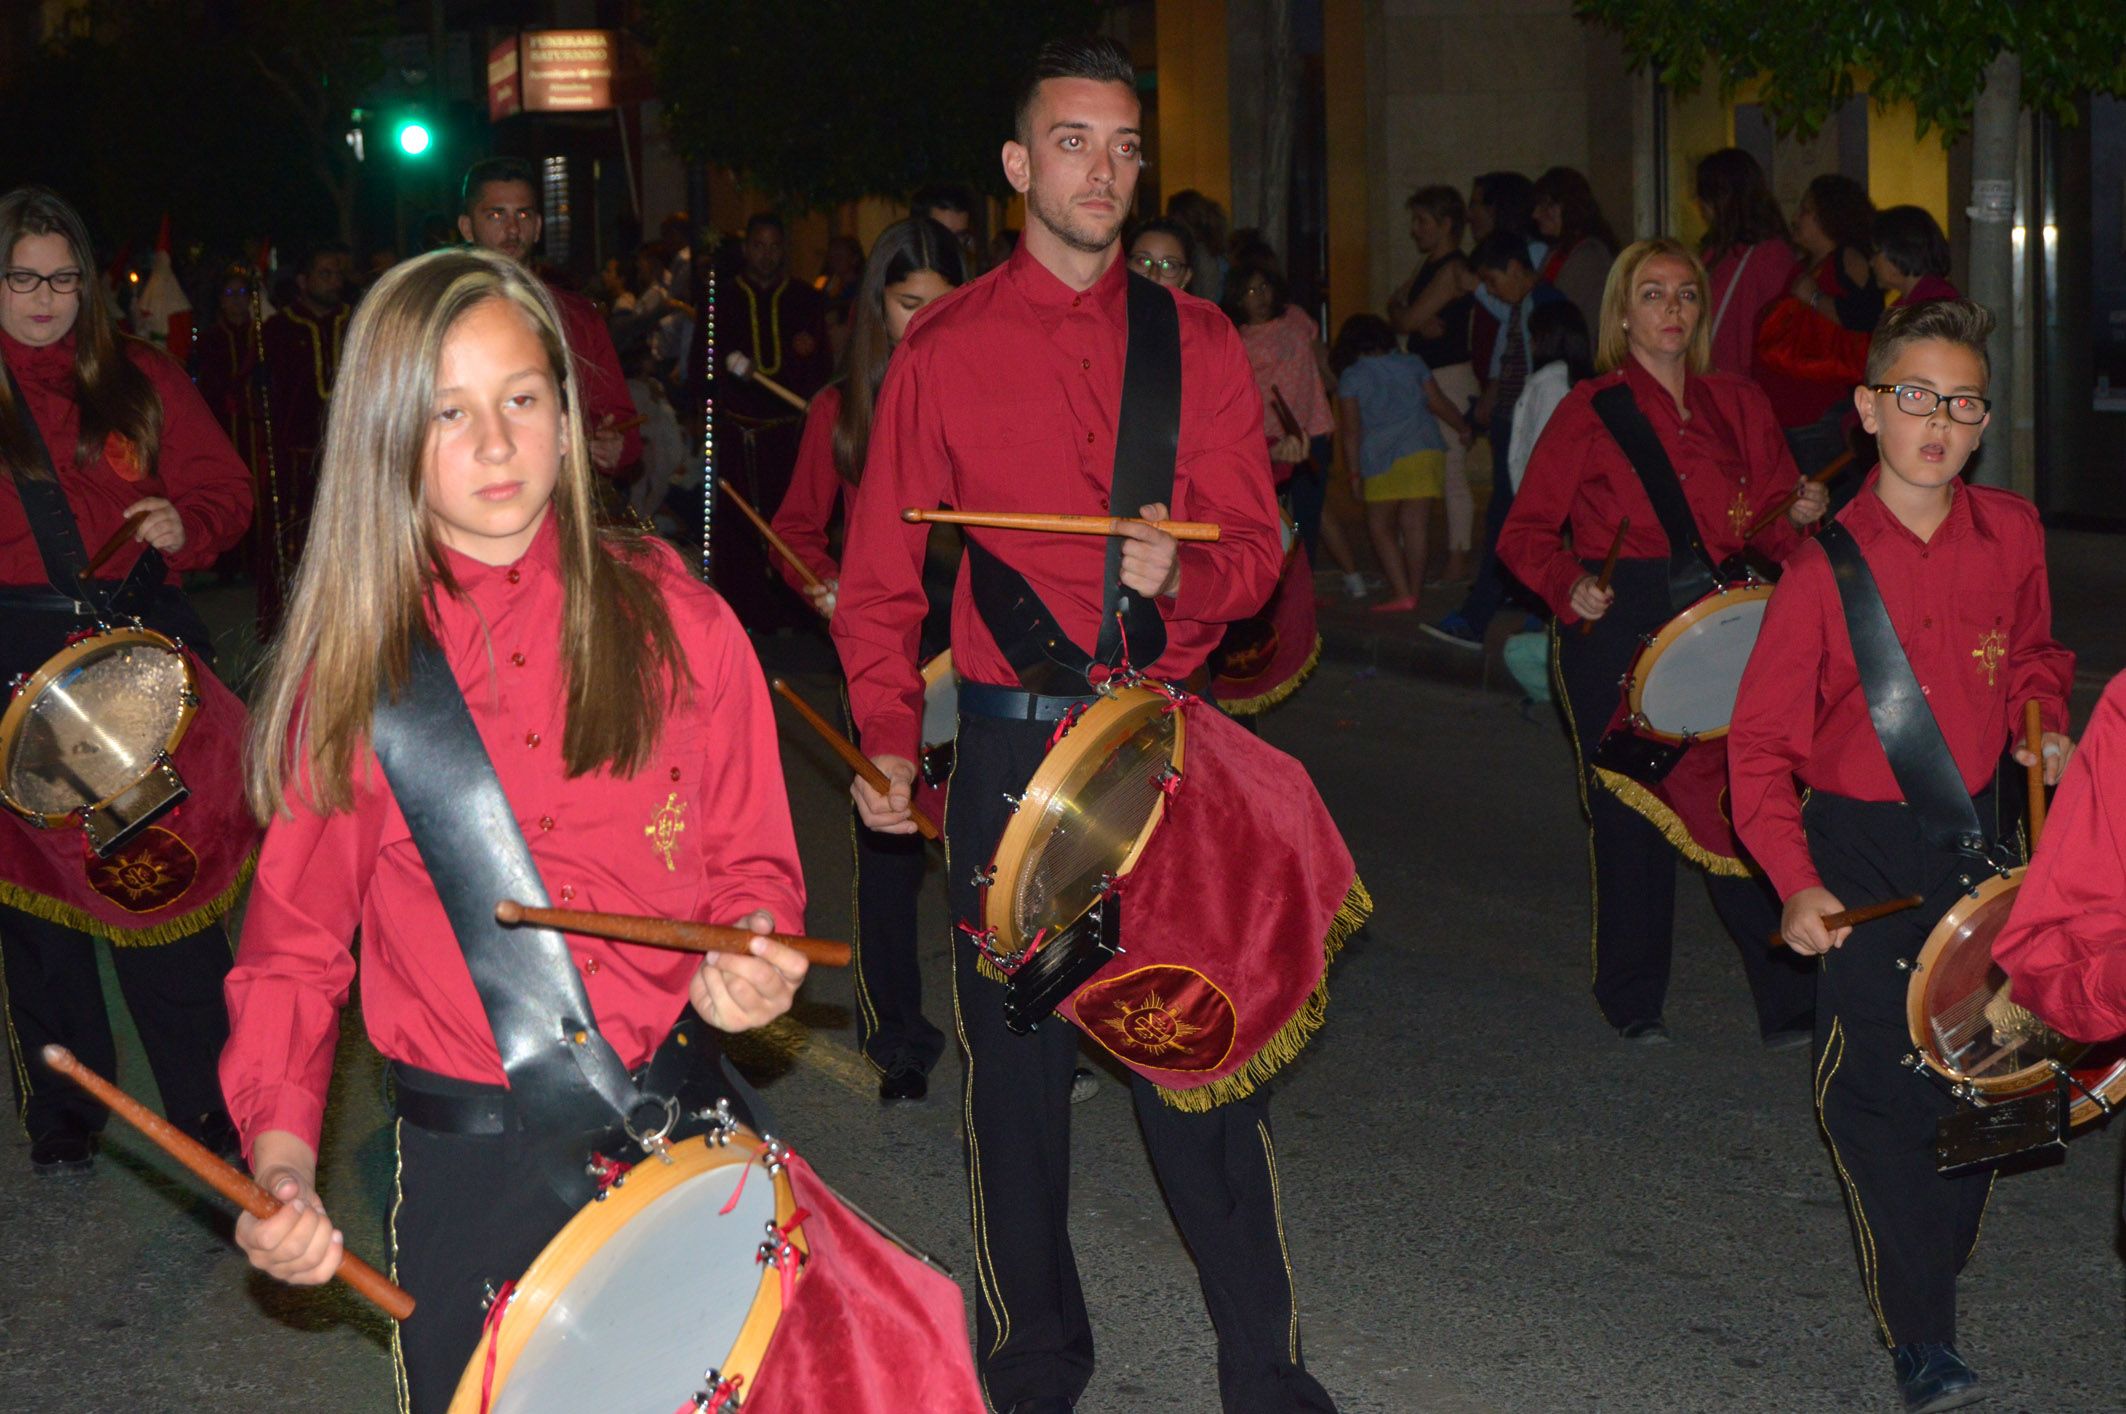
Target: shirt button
{"points": [[568, 892], [675, 773], [531, 738], [517, 658], [515, 575], [1088, 439], [546, 822], [1926, 623], [590, 967], [1076, 300], [1085, 363]]}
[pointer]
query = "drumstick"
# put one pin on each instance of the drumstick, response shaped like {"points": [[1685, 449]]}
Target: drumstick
{"points": [[222, 1177], [667, 932], [628, 426], [1194, 530], [744, 367], [118, 541], [767, 533], [1853, 917], [1609, 567], [846, 749], [1794, 495], [2034, 739], [1284, 413]]}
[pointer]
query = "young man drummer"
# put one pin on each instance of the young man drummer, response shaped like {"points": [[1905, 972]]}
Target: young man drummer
{"points": [[1961, 573], [1006, 394]]}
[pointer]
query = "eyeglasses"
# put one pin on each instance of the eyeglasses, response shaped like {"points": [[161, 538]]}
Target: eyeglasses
{"points": [[63, 282], [1165, 264], [1921, 402]]}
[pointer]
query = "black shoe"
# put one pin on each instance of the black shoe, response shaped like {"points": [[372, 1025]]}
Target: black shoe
{"points": [[903, 1083], [1646, 1033], [218, 1133], [1046, 1404], [1793, 1038], [1934, 1377], [66, 1150], [1083, 1085]]}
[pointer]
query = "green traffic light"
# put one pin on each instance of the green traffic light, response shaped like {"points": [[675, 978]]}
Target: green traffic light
{"points": [[414, 138]]}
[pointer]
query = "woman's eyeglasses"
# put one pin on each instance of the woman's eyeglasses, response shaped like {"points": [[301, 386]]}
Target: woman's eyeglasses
{"points": [[1921, 402], [1165, 264], [63, 282]]}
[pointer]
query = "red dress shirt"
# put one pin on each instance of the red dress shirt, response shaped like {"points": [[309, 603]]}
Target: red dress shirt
{"points": [[816, 488], [598, 371], [1004, 397], [1730, 456], [701, 832], [2065, 944], [1974, 615], [196, 470]]}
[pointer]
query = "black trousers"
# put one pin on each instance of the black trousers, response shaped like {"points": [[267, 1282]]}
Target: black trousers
{"points": [[1634, 865], [173, 991], [1913, 1229], [1218, 1170], [891, 1029]]}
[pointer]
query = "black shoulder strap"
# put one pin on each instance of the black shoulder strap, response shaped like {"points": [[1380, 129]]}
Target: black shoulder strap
{"points": [[1147, 441], [1911, 737], [1691, 573], [567, 1080]]}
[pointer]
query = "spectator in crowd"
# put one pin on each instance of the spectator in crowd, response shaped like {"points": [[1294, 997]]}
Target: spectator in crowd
{"points": [[1433, 312], [841, 271], [1746, 252], [1164, 252], [1911, 255], [1582, 245], [1292, 366], [959, 211], [1563, 355], [1832, 227], [1205, 219]]}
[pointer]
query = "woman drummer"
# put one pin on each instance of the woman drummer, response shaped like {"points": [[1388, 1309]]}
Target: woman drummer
{"points": [[120, 428], [623, 714], [1725, 446], [912, 263]]}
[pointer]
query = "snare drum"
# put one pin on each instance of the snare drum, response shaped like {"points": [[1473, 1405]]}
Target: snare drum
{"points": [[1683, 681]]}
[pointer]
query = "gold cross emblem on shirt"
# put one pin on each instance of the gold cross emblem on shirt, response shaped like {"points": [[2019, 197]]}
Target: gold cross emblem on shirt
{"points": [[663, 829], [1992, 647], [1738, 514]]}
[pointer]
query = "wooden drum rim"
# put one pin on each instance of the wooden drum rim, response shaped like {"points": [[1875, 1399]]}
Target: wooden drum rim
{"points": [[563, 1258], [1718, 601], [1117, 713], [938, 667], [50, 670]]}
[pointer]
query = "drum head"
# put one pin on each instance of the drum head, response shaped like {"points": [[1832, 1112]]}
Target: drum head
{"points": [[1684, 682], [91, 722], [941, 701], [1086, 814], [651, 1296]]}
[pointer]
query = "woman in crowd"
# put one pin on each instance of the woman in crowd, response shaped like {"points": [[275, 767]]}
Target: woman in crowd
{"points": [[1747, 253], [1835, 281], [1581, 242], [1433, 312]]}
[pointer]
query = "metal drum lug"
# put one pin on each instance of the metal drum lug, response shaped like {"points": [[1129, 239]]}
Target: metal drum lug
{"points": [[1902, 965]]}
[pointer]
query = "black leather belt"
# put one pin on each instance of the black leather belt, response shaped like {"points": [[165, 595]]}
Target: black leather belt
{"points": [[39, 599], [444, 1104], [1011, 704]]}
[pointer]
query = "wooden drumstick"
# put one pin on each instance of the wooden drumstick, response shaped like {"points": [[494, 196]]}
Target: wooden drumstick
{"points": [[120, 538], [1191, 530], [743, 367], [667, 932], [1609, 567], [767, 533], [628, 426], [1853, 917], [2034, 739], [846, 749], [1787, 501], [232, 1183]]}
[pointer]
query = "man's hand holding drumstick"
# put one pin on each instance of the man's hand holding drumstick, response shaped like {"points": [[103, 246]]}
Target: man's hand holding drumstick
{"points": [[733, 992], [1151, 558], [298, 1245]]}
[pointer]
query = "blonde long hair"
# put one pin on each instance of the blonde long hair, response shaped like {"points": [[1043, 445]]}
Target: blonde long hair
{"points": [[373, 557], [1612, 345]]}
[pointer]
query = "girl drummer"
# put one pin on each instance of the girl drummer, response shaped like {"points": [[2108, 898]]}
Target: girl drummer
{"points": [[624, 715], [1719, 435], [912, 263], [123, 432]]}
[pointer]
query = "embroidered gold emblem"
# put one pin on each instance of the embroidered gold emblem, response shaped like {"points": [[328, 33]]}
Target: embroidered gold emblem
{"points": [[664, 828], [1738, 514], [1992, 647], [1151, 1025]]}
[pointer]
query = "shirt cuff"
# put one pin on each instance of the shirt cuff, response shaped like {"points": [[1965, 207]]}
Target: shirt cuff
{"points": [[1790, 873], [1192, 598], [285, 1107], [894, 733]]}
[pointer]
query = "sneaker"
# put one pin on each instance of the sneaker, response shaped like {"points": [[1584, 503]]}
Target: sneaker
{"points": [[1934, 1377], [1405, 605], [1083, 1085], [1646, 1033], [1458, 631], [1355, 585]]}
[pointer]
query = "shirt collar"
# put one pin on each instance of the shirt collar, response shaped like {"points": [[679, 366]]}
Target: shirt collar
{"points": [[1648, 391], [1051, 298], [1877, 517], [47, 365], [487, 585]]}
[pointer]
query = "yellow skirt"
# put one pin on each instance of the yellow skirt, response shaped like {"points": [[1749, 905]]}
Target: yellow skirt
{"points": [[1411, 478]]}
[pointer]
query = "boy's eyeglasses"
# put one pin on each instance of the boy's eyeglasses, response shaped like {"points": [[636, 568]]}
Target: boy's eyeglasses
{"points": [[1921, 402], [1165, 264], [63, 282]]}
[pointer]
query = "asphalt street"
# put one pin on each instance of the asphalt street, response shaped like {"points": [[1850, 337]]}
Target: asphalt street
{"points": [[1491, 1203]]}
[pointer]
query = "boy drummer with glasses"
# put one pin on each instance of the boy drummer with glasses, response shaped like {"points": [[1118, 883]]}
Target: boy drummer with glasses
{"points": [[1961, 573]]}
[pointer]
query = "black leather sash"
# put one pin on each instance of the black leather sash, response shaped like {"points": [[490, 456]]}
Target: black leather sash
{"points": [[1691, 572], [570, 1087], [1147, 442], [1911, 737], [58, 534]]}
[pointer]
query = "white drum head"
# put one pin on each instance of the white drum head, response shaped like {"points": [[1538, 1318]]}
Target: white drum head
{"points": [[1687, 684], [941, 701], [654, 1308]]}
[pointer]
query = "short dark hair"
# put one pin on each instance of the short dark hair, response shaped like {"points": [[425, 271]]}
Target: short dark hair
{"points": [[765, 220], [1095, 57], [1501, 250], [1557, 333], [1910, 239], [312, 254], [1167, 226], [940, 196], [496, 169], [1963, 322], [1250, 270], [1442, 203], [1511, 199], [1843, 212], [1361, 336]]}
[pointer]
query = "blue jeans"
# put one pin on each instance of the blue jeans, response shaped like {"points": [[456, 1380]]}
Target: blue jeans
{"points": [[1492, 584]]}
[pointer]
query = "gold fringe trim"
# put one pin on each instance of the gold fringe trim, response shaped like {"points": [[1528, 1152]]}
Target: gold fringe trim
{"points": [[169, 931], [988, 969], [1671, 826], [1250, 706]]}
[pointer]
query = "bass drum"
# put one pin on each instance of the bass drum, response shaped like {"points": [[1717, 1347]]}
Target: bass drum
{"points": [[1969, 1031]]}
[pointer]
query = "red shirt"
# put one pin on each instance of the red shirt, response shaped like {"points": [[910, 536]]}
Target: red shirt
{"points": [[2065, 944], [1003, 397], [1730, 456], [1974, 615], [713, 792], [598, 371], [196, 470], [816, 488]]}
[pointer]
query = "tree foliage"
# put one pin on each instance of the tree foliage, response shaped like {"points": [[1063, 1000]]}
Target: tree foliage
{"points": [[824, 101], [1813, 55]]}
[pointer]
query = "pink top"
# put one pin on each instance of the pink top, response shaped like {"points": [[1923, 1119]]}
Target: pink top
{"points": [[1282, 354], [1765, 270]]}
